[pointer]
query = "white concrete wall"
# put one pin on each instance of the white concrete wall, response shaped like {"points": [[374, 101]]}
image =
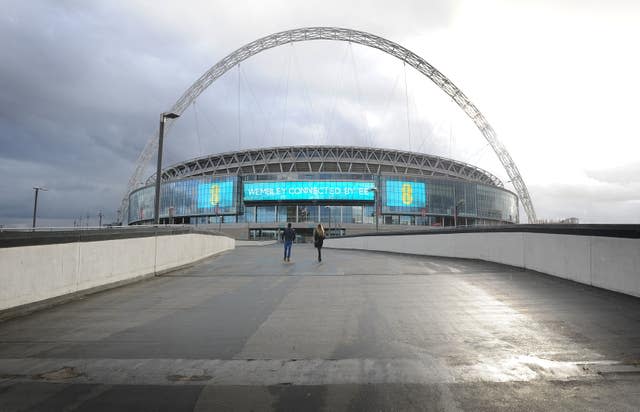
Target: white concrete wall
{"points": [[606, 262], [34, 273]]}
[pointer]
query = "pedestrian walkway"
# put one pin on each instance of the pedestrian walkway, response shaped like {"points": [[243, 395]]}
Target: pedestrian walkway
{"points": [[358, 331]]}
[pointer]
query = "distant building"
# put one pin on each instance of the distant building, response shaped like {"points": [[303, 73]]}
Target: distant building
{"points": [[565, 221], [570, 221]]}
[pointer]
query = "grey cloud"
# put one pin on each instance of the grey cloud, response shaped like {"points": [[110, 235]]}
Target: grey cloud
{"points": [[592, 203], [83, 84], [70, 109], [626, 174]]}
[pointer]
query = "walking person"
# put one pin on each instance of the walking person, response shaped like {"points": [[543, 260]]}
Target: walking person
{"points": [[289, 235], [318, 238]]}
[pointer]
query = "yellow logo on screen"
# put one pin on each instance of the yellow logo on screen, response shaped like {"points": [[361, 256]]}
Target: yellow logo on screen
{"points": [[407, 194], [214, 192]]}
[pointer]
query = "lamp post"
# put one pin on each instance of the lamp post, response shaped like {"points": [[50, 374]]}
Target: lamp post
{"points": [[375, 203], [156, 204], [35, 204]]}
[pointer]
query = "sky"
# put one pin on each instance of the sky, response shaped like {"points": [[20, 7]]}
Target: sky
{"points": [[82, 84]]}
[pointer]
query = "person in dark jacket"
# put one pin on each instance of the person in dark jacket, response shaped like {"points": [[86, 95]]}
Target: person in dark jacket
{"points": [[318, 239], [289, 235]]}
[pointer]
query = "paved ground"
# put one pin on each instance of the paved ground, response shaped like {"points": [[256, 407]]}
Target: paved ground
{"points": [[359, 331]]}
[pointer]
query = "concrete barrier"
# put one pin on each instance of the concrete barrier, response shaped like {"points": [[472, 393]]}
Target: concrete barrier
{"points": [[592, 258], [30, 274]]}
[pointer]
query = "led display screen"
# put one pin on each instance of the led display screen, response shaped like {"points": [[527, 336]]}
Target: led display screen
{"points": [[405, 194], [216, 194], [308, 190]]}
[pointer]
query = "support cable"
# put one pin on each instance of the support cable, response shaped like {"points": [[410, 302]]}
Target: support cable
{"points": [[305, 93], [337, 84], [422, 127], [406, 94], [286, 102], [213, 128], [255, 99], [239, 123], [359, 94], [478, 154], [195, 114], [430, 132], [450, 137], [385, 111], [270, 131]]}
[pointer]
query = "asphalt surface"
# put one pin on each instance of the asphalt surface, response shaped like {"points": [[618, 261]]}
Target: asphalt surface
{"points": [[359, 331]]}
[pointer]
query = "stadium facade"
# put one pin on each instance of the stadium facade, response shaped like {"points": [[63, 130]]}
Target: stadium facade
{"points": [[340, 186]]}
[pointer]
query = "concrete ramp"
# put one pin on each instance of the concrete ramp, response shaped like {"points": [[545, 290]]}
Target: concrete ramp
{"points": [[360, 330]]}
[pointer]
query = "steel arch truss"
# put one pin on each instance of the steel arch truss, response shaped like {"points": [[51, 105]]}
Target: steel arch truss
{"points": [[327, 159], [359, 37]]}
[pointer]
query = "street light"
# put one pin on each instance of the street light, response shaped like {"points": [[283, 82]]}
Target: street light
{"points": [[35, 204], [156, 205], [375, 203]]}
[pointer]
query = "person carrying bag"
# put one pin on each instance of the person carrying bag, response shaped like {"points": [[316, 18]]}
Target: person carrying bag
{"points": [[318, 238]]}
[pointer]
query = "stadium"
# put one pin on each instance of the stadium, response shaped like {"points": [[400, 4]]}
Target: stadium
{"points": [[254, 193]]}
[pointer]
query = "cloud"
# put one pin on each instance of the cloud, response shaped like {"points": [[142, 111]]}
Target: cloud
{"points": [[624, 174], [604, 196], [84, 82]]}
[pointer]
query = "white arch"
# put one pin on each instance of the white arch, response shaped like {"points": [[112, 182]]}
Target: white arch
{"points": [[359, 37]]}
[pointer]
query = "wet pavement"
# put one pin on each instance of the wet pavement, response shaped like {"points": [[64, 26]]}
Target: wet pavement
{"points": [[359, 331]]}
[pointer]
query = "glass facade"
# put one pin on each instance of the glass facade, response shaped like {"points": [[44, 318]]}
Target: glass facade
{"points": [[204, 196], [266, 214], [496, 204], [326, 197]]}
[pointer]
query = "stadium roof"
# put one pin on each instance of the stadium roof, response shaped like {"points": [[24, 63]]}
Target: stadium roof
{"points": [[327, 159]]}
